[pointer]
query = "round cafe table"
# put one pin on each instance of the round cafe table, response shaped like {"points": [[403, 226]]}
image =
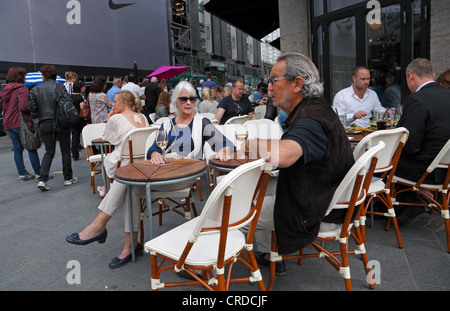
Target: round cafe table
{"points": [[145, 174], [217, 165]]}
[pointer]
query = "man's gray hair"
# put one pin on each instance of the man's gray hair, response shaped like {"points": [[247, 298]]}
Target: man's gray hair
{"points": [[299, 65], [421, 67], [116, 80]]}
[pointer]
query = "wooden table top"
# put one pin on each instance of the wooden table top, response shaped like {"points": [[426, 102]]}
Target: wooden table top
{"points": [[233, 163], [100, 141], [144, 171]]}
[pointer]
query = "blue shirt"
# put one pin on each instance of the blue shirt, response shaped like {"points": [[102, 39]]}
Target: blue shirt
{"points": [[112, 92], [209, 84]]}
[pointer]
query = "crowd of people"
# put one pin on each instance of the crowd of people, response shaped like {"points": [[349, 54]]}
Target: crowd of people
{"points": [[313, 154]]}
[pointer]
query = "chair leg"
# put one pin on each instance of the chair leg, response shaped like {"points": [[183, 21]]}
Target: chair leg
{"points": [[446, 215], [187, 213], [300, 259], [393, 218], [200, 194], [344, 270], [160, 212], [273, 250]]}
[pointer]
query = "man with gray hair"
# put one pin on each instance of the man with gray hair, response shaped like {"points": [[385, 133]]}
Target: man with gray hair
{"points": [[117, 85], [426, 116], [313, 156]]}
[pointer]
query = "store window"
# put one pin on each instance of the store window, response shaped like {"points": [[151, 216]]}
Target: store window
{"points": [[334, 5], [342, 53]]}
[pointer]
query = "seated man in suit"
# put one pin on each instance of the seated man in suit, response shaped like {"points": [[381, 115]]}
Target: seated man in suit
{"points": [[426, 116]]}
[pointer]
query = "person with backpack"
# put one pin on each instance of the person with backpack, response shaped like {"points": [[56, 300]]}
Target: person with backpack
{"points": [[43, 100]]}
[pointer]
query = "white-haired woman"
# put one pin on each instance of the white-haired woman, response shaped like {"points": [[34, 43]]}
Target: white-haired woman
{"points": [[189, 131]]}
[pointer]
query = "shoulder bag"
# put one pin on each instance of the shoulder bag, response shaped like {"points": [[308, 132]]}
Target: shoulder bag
{"points": [[29, 134], [65, 112]]}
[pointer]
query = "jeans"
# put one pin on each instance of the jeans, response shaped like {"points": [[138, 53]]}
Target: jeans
{"points": [[49, 138], [18, 154]]}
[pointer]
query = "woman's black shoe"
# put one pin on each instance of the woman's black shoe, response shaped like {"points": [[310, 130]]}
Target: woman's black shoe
{"points": [[116, 262], [75, 238]]}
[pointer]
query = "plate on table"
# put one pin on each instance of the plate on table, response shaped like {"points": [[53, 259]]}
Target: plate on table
{"points": [[352, 132]]}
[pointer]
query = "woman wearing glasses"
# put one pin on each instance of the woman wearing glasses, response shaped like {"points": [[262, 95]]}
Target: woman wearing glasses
{"points": [[189, 131]]}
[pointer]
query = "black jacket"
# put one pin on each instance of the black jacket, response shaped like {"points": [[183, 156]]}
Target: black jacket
{"points": [[426, 115], [43, 99], [304, 191]]}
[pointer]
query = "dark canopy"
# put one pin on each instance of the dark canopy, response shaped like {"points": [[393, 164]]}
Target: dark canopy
{"points": [[258, 18]]}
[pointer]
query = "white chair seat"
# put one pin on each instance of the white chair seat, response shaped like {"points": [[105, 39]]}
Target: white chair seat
{"points": [[376, 185], [328, 230], [180, 193], [412, 183], [204, 251], [95, 158]]}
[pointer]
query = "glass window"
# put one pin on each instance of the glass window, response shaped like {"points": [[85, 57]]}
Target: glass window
{"points": [[318, 7], [416, 7], [320, 51], [342, 53], [383, 55], [334, 5]]}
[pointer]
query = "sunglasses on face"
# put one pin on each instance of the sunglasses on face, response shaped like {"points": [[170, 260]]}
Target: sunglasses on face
{"points": [[184, 100]]}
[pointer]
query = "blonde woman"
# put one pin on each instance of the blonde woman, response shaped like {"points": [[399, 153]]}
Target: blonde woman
{"points": [[208, 104], [124, 116]]}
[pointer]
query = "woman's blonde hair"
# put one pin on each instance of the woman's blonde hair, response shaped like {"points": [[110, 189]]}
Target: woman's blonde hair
{"points": [[131, 101], [206, 93]]}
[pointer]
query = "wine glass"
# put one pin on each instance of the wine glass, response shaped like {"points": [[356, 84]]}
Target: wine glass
{"points": [[241, 135], [162, 141], [397, 116], [343, 119]]}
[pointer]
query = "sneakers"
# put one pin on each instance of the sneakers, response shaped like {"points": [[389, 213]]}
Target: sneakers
{"points": [[37, 177], [27, 176], [42, 185], [71, 181]]}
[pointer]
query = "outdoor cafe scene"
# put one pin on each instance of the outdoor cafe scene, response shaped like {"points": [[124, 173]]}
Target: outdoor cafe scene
{"points": [[161, 182], [277, 179]]}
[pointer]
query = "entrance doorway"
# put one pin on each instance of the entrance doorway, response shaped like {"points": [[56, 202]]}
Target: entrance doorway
{"points": [[342, 39]]}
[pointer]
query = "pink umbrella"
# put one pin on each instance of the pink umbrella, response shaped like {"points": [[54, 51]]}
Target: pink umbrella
{"points": [[167, 72]]}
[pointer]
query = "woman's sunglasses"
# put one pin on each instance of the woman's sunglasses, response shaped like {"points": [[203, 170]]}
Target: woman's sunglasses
{"points": [[184, 100]]}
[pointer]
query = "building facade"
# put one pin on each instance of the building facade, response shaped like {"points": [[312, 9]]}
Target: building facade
{"points": [[210, 44], [383, 35]]}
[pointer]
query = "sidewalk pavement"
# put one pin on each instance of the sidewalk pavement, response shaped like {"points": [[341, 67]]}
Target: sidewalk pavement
{"points": [[34, 255]]}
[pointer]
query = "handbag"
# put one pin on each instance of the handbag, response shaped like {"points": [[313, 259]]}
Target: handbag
{"points": [[29, 134], [66, 114], [85, 111]]}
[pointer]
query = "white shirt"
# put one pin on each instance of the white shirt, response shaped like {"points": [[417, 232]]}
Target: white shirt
{"points": [[133, 88], [348, 103], [420, 87]]}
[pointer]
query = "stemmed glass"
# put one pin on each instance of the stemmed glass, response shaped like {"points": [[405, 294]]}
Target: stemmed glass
{"points": [[343, 119], [241, 135], [397, 116], [162, 141]]}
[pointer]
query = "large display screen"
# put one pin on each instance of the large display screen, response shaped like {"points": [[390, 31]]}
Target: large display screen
{"points": [[94, 33]]}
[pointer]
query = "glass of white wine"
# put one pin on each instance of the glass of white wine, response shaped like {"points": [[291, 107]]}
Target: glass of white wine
{"points": [[162, 141], [241, 136]]}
